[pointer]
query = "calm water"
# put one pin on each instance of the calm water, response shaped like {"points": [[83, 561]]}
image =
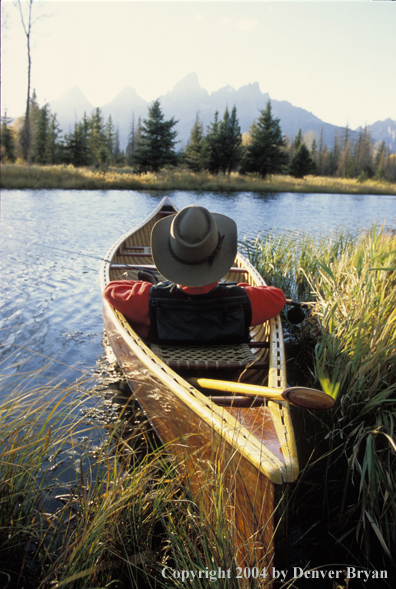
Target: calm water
{"points": [[50, 301]]}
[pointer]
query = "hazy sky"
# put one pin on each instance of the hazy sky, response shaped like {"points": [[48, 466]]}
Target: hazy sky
{"points": [[335, 59]]}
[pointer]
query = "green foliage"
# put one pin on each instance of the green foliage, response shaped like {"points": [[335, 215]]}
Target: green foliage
{"points": [[314, 151], [7, 151], [298, 141], [133, 141], [110, 139], [156, 147], [39, 154], [97, 140], [223, 144], [230, 139], [76, 144], [213, 146], [266, 153], [194, 154], [302, 163]]}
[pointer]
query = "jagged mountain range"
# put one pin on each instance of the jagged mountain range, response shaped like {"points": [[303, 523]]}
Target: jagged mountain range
{"points": [[188, 98]]}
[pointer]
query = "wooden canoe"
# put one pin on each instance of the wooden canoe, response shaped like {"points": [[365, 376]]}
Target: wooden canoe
{"points": [[251, 448]]}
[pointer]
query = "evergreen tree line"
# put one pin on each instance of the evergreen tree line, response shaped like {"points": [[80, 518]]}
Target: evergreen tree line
{"points": [[220, 148]]}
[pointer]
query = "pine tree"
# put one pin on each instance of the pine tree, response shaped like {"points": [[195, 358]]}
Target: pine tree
{"points": [[212, 147], [7, 151], [53, 147], [314, 155], [132, 141], [266, 153], [293, 146], [39, 148], [380, 160], [298, 141], [156, 147], [302, 163], [110, 140], [119, 155], [230, 142], [77, 144], [194, 154], [30, 131], [98, 152], [363, 155]]}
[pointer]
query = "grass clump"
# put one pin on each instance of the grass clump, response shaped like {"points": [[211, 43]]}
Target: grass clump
{"points": [[348, 345]]}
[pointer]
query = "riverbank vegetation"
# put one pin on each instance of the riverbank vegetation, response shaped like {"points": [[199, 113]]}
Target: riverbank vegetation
{"points": [[67, 177], [76, 516], [219, 150]]}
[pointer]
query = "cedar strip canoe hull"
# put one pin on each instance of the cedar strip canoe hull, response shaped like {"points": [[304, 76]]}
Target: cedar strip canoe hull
{"points": [[248, 452]]}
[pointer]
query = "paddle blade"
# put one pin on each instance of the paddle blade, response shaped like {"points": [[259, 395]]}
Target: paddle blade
{"points": [[308, 398], [295, 315]]}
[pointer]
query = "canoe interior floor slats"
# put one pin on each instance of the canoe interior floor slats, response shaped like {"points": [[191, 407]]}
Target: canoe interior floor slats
{"points": [[214, 357]]}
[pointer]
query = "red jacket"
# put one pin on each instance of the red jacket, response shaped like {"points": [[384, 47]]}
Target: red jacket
{"points": [[131, 298]]}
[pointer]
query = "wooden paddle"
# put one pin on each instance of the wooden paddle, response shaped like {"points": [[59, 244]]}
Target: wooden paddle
{"points": [[298, 396]]}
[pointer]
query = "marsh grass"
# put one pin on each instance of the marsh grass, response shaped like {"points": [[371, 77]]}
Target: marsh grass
{"points": [[20, 176], [357, 355], [75, 515], [349, 348]]}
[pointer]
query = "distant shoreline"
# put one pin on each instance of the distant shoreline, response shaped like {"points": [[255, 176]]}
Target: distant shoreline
{"points": [[19, 176]]}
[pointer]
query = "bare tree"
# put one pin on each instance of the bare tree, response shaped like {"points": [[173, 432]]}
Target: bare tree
{"points": [[27, 27]]}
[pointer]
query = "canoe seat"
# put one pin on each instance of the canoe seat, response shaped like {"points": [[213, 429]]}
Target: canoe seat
{"points": [[220, 357]]}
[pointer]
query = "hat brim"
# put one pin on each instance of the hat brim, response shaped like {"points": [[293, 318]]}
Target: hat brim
{"points": [[194, 274]]}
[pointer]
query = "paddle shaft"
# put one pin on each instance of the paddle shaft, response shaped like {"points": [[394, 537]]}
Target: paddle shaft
{"points": [[238, 387], [300, 304]]}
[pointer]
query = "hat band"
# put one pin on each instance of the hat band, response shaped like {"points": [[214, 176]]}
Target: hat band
{"points": [[209, 259]]}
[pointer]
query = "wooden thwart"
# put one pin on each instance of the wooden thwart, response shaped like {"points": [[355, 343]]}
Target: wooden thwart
{"points": [[116, 266]]}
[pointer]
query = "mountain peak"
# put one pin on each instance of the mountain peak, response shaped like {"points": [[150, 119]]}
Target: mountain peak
{"points": [[252, 90], [128, 97], [188, 85], [225, 90], [73, 95], [73, 99]]}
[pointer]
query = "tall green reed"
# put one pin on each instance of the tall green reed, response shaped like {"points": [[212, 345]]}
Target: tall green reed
{"points": [[351, 332], [357, 353]]}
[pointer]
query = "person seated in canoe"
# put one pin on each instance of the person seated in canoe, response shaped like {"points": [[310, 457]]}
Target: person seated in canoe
{"points": [[193, 250]]}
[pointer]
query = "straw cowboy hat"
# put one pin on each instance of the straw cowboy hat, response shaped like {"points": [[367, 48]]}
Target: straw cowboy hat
{"points": [[194, 247]]}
